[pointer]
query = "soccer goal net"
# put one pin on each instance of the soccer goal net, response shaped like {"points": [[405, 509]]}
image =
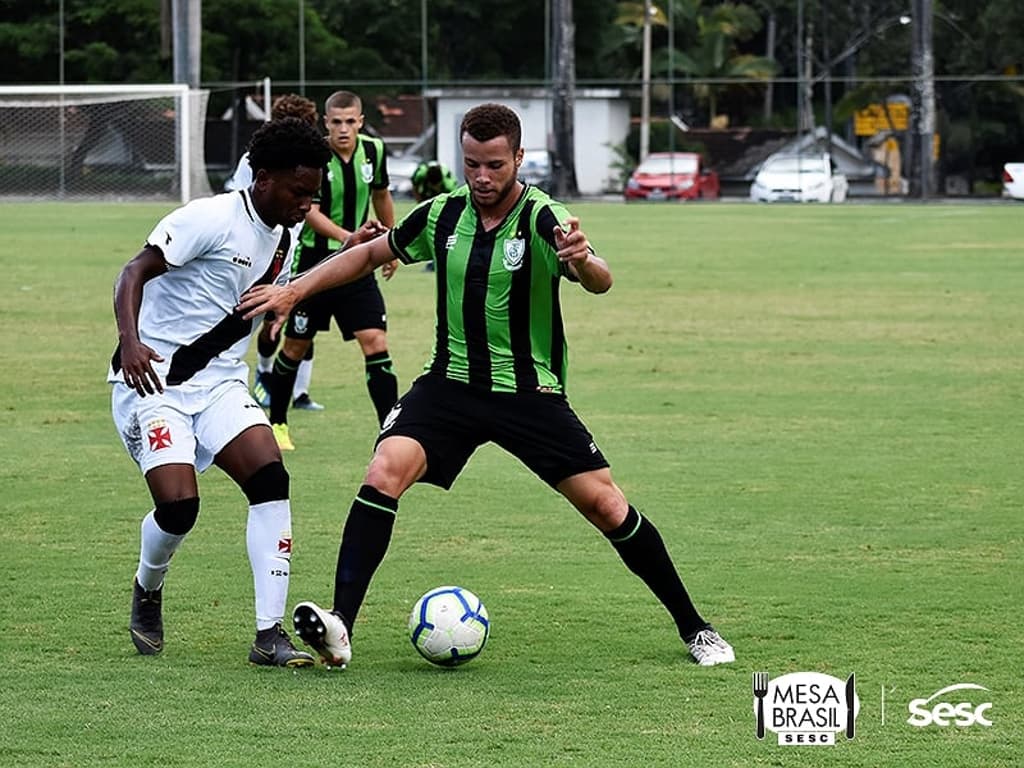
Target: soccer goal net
{"points": [[120, 142]]}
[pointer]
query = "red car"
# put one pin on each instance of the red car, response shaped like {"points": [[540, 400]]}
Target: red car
{"points": [[672, 176]]}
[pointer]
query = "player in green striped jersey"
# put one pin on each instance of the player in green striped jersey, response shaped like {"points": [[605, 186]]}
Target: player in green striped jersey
{"points": [[497, 374], [355, 178]]}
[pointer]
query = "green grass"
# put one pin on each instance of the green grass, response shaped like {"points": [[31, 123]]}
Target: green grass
{"points": [[820, 407]]}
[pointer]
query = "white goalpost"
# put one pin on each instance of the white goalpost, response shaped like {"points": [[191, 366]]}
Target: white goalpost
{"points": [[102, 142]]}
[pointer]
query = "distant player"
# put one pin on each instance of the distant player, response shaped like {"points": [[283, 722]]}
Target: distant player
{"points": [[286, 105], [180, 397], [430, 179], [356, 177]]}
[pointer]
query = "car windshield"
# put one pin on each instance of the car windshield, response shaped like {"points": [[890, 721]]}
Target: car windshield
{"points": [[669, 164], [796, 165]]}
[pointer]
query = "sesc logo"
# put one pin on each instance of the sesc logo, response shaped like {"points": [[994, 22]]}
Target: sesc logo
{"points": [[944, 713]]}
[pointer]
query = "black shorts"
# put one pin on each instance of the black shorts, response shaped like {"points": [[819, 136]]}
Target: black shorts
{"points": [[354, 307], [451, 420]]}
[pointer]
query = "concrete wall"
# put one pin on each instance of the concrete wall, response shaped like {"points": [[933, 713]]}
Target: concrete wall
{"points": [[601, 119]]}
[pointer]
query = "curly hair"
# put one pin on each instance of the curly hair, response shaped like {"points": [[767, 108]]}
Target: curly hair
{"points": [[287, 143], [488, 121], [294, 105]]}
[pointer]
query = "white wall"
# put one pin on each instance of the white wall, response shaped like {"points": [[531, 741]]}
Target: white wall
{"points": [[601, 118]]}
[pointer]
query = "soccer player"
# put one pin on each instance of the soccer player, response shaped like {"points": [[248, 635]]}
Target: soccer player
{"points": [[285, 105], [356, 176], [432, 178], [180, 397], [497, 374]]}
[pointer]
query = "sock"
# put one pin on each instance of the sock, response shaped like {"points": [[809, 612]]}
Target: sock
{"points": [[364, 543], [265, 349], [302, 378], [382, 383], [642, 550], [268, 538], [280, 385], [155, 553]]}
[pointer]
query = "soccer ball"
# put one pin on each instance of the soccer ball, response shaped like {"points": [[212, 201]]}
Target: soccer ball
{"points": [[449, 626]]}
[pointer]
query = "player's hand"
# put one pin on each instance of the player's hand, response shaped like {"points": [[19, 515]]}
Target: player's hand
{"points": [[571, 243], [387, 271], [278, 299], [137, 367], [371, 230]]}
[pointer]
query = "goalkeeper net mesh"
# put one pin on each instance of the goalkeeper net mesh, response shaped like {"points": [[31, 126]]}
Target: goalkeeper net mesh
{"points": [[102, 142]]}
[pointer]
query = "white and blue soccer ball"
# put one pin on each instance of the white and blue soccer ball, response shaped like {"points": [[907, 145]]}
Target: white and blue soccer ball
{"points": [[449, 626]]}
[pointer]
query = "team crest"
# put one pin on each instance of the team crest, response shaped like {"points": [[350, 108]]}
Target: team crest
{"points": [[514, 251], [159, 435], [366, 169], [301, 322]]}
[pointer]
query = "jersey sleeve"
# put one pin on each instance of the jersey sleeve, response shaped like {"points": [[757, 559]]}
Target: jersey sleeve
{"points": [[550, 216], [189, 231], [409, 239], [380, 178]]}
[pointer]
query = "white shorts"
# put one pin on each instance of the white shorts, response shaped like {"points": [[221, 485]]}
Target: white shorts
{"points": [[183, 426]]}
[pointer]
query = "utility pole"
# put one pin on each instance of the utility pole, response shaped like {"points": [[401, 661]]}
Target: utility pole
{"points": [[187, 23], [645, 86], [923, 72], [564, 98]]}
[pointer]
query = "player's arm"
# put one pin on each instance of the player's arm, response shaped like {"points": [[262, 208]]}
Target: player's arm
{"points": [[322, 224], [136, 357], [384, 207], [342, 267], [574, 250]]}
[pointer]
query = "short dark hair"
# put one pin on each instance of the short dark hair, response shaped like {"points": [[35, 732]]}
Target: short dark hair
{"points": [[343, 100], [294, 105], [488, 121], [286, 144]]}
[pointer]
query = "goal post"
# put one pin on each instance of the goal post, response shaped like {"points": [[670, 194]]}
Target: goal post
{"points": [[96, 142]]}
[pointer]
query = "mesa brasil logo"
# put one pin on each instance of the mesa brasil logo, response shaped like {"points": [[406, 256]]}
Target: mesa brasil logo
{"points": [[805, 708]]}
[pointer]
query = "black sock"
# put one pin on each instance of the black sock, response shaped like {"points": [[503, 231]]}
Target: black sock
{"points": [[265, 345], [642, 550], [382, 383], [280, 384], [364, 543]]}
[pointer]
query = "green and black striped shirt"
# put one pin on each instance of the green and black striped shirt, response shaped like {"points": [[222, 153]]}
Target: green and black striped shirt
{"points": [[346, 192], [499, 321]]}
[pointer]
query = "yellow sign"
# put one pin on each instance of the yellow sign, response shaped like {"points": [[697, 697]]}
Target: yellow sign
{"points": [[876, 118]]}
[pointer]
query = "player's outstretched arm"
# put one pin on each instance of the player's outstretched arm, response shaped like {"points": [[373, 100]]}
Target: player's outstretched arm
{"points": [[341, 267]]}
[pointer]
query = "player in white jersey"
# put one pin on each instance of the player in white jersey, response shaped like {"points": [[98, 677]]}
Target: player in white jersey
{"points": [[285, 105], [180, 396]]}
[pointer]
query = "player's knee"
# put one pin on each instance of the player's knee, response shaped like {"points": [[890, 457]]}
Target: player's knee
{"points": [[177, 517], [268, 483]]}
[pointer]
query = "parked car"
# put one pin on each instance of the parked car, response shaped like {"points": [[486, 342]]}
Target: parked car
{"points": [[799, 179], [672, 176], [536, 168], [1013, 180]]}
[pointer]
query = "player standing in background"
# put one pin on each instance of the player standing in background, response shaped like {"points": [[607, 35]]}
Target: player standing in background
{"points": [[286, 105], [180, 396], [498, 374], [356, 176]]}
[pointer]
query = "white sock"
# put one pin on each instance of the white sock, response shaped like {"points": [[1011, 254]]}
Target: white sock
{"points": [[302, 378], [264, 364], [268, 537], [155, 553]]}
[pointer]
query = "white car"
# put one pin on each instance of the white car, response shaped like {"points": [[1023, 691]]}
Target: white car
{"points": [[799, 179], [1013, 180]]}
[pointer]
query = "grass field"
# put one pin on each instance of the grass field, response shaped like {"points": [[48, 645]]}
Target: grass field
{"points": [[820, 407]]}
